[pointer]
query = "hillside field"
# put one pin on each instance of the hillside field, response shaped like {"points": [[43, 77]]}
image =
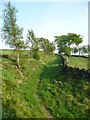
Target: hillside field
{"points": [[41, 90]]}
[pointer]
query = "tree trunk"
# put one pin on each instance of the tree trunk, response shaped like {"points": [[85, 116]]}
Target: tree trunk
{"points": [[62, 60], [18, 59], [67, 60], [79, 50]]}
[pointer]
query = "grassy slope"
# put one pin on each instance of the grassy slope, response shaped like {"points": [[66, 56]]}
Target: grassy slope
{"points": [[42, 85], [63, 96], [19, 90]]}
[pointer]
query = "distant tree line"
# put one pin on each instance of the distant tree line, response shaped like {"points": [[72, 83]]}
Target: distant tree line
{"points": [[12, 34]]}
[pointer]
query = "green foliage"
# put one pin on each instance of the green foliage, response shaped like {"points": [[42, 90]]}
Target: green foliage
{"points": [[46, 45], [63, 45], [21, 44], [36, 54], [34, 44], [11, 33], [31, 38], [67, 51], [84, 49], [64, 42], [74, 38], [75, 50]]}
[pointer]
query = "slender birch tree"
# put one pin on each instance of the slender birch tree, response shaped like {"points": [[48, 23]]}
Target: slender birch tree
{"points": [[11, 32]]}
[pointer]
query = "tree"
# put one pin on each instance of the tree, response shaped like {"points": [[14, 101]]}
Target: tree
{"points": [[75, 39], [11, 33], [84, 49], [34, 44], [46, 45], [74, 50], [64, 43]]}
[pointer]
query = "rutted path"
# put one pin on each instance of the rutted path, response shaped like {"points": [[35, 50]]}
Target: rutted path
{"points": [[20, 89], [29, 91]]}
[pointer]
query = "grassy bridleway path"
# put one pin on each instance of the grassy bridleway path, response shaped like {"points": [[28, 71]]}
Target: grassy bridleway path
{"points": [[29, 89], [20, 88]]}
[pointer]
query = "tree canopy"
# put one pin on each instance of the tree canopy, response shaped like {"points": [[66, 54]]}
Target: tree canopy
{"points": [[64, 42], [46, 45], [11, 33], [34, 44]]}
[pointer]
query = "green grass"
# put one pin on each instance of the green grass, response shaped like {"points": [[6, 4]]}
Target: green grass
{"points": [[64, 97], [6, 51], [41, 90], [77, 62]]}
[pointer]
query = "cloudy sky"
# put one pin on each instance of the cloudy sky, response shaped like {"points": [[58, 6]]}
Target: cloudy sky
{"points": [[48, 19]]}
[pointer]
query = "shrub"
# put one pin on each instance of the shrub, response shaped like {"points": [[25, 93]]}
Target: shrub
{"points": [[36, 54]]}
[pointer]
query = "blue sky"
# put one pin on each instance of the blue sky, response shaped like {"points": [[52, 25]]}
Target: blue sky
{"points": [[48, 19]]}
